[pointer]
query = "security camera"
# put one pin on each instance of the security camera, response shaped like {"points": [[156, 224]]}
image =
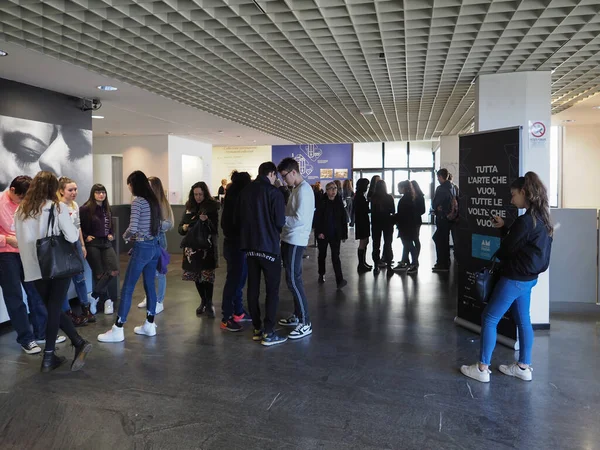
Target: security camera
{"points": [[93, 104]]}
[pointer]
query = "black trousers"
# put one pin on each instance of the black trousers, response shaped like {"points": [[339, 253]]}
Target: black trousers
{"points": [[335, 257], [53, 293], [442, 242], [387, 231], [271, 269]]}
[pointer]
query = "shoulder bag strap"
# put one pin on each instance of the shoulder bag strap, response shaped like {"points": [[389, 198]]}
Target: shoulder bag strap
{"points": [[50, 230]]}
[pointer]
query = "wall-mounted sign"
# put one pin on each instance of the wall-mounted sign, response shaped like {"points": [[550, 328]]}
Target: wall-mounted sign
{"points": [[318, 162]]}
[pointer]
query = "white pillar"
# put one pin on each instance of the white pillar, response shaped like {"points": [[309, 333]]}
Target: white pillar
{"points": [[449, 155], [521, 99]]}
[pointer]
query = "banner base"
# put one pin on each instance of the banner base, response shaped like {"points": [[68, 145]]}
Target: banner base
{"points": [[510, 343]]}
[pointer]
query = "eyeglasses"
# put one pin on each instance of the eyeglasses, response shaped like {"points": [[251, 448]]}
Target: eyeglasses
{"points": [[284, 175]]}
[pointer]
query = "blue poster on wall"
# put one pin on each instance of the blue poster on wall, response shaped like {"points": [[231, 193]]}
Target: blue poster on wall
{"points": [[318, 162]]}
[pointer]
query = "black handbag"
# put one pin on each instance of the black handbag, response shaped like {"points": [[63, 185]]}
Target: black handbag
{"points": [[58, 257], [485, 280], [199, 237]]}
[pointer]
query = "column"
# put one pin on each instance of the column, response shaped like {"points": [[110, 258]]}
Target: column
{"points": [[449, 155], [521, 99]]}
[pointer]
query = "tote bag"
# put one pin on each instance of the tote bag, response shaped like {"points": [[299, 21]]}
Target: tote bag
{"points": [[58, 257]]}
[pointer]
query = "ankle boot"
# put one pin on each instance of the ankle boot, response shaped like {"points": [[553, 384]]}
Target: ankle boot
{"points": [[88, 314], [51, 361], [210, 309], [362, 266], [82, 348], [202, 292], [78, 321]]}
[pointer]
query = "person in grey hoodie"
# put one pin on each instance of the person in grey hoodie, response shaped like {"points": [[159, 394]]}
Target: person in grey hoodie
{"points": [[294, 240]]}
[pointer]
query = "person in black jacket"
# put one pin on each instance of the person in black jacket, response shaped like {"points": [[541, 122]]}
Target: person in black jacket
{"points": [[406, 221], [261, 217], [362, 223], [441, 205], [419, 211], [331, 228], [232, 306], [382, 222], [524, 253], [199, 264]]}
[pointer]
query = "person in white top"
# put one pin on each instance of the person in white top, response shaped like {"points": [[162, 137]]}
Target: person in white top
{"points": [[299, 214], [31, 224], [67, 193]]}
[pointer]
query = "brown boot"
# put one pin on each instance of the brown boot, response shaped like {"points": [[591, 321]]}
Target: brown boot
{"points": [[78, 321], [88, 314]]}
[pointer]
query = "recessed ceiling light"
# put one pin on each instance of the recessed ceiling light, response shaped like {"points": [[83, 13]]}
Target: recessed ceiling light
{"points": [[107, 88], [596, 107], [568, 121], [367, 113], [97, 117], [3, 53], [220, 131]]}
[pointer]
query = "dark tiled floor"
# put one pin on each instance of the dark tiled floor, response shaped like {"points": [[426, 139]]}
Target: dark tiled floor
{"points": [[379, 372]]}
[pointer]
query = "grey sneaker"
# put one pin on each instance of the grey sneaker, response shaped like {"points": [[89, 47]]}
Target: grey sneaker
{"points": [[32, 348], [291, 321]]}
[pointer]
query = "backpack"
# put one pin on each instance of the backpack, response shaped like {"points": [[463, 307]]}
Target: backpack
{"points": [[453, 213]]}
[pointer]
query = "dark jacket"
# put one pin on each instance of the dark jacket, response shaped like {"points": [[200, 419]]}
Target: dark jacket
{"points": [[195, 260], [442, 200], [419, 209], [261, 217], [382, 211], [362, 223], [406, 216], [231, 229], [525, 251], [92, 222], [209, 207], [331, 210]]}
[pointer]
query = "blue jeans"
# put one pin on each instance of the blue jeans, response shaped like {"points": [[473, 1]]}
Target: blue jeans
{"points": [[144, 259], [11, 279], [237, 272], [80, 285], [292, 262], [516, 296]]}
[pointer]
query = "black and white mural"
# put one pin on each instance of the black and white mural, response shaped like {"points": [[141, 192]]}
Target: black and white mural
{"points": [[44, 130]]}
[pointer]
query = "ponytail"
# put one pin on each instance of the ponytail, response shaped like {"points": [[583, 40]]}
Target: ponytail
{"points": [[537, 197]]}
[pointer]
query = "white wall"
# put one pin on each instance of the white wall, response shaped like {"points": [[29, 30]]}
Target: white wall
{"points": [[581, 166], [179, 146], [102, 175], [146, 153], [449, 154]]}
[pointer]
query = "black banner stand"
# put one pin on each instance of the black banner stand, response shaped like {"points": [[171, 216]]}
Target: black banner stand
{"points": [[489, 162]]}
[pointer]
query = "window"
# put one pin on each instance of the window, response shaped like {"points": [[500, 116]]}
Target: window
{"points": [[395, 154], [367, 155], [421, 154]]}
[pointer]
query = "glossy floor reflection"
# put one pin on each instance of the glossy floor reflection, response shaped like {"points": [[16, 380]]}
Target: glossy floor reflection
{"points": [[379, 372]]}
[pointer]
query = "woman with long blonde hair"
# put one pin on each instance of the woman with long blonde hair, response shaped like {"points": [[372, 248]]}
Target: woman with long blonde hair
{"points": [[67, 193], [166, 223], [32, 221]]}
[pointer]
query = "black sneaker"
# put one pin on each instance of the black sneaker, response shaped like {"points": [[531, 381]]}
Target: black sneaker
{"points": [[438, 268], [257, 335], [272, 339], [413, 269], [341, 284], [321, 279], [381, 264], [230, 325], [401, 267], [51, 361]]}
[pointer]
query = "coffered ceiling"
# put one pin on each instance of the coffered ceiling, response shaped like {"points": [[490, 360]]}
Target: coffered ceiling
{"points": [[305, 70]]}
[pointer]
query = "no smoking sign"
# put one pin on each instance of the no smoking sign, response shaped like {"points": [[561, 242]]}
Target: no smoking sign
{"points": [[537, 129]]}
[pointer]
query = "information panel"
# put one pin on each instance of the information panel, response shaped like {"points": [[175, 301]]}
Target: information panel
{"points": [[319, 162], [489, 163]]}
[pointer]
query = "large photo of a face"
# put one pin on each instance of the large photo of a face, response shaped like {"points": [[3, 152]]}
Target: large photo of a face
{"points": [[27, 146]]}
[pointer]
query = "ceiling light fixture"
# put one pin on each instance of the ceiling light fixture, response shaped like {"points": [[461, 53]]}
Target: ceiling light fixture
{"points": [[596, 107], [107, 88], [3, 53], [367, 113], [568, 121], [97, 117]]}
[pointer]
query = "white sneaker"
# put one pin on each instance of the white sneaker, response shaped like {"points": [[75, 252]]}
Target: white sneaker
{"points": [[142, 304], [115, 334], [148, 329], [301, 331], [159, 308], [474, 372], [93, 302], [59, 340], [513, 370], [109, 307]]}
